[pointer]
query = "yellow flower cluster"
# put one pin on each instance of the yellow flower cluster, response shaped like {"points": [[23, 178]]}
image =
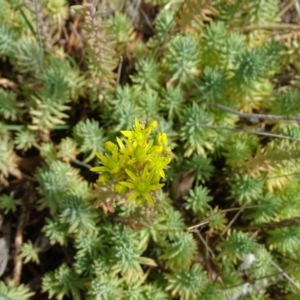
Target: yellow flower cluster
{"points": [[135, 164]]}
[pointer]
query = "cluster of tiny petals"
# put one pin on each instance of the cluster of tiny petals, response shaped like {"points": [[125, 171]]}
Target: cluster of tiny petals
{"points": [[136, 163]]}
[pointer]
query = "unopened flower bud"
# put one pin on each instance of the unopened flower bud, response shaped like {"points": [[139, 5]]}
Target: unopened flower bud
{"points": [[152, 125], [161, 139], [110, 147], [157, 149], [104, 177], [119, 188]]}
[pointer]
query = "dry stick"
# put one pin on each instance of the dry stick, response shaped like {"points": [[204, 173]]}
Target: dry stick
{"points": [[17, 256], [248, 116], [38, 33], [286, 8], [73, 33], [284, 274], [80, 163], [194, 227], [297, 7], [263, 133], [136, 6], [233, 220], [18, 243], [205, 243], [119, 71], [271, 26], [285, 175], [146, 18], [273, 225]]}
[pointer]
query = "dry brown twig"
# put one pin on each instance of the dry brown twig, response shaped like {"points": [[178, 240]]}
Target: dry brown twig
{"points": [[73, 33], [18, 244], [206, 221]]}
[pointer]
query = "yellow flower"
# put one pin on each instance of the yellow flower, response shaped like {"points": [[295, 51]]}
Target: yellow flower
{"points": [[140, 134], [120, 188], [135, 164], [159, 164], [104, 177], [141, 186], [111, 164]]}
